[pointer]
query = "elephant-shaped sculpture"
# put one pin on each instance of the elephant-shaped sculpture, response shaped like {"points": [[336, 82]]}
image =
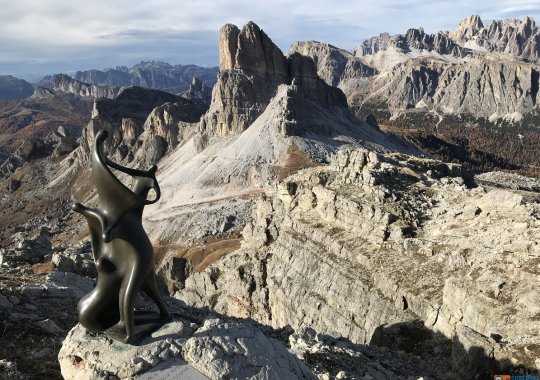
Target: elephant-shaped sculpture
{"points": [[123, 253]]}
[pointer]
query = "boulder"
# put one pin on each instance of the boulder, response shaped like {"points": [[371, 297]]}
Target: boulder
{"points": [[219, 349]]}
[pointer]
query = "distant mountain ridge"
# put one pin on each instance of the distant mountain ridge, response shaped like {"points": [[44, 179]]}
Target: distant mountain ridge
{"points": [[517, 38], [155, 74], [14, 88], [64, 83]]}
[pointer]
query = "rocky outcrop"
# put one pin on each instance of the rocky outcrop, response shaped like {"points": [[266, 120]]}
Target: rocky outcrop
{"points": [[17, 159], [372, 241], [62, 141], [438, 42], [55, 144], [467, 28], [36, 308], [224, 349], [139, 120], [157, 75], [27, 250], [65, 83], [251, 69], [334, 65], [14, 88], [216, 349], [292, 132], [198, 91]]}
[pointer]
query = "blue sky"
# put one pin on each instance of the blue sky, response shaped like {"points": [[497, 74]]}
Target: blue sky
{"points": [[39, 37]]}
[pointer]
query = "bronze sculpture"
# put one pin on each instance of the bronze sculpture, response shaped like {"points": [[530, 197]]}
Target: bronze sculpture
{"points": [[122, 251]]}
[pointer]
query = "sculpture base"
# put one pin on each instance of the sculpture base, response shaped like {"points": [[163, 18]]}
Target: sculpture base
{"points": [[146, 322], [157, 356], [219, 348]]}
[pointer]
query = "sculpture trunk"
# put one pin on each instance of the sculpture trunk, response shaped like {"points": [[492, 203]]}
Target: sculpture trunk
{"points": [[123, 253]]}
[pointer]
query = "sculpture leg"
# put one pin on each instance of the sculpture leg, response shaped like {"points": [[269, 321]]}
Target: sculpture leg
{"points": [[150, 288], [130, 285]]}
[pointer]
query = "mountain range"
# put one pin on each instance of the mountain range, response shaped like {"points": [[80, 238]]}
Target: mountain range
{"points": [[469, 95], [300, 199]]}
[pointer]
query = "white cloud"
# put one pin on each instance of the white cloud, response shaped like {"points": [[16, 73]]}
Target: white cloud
{"points": [[55, 35]]}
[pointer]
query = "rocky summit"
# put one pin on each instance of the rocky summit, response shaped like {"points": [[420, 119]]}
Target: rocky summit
{"points": [[253, 66], [295, 237]]}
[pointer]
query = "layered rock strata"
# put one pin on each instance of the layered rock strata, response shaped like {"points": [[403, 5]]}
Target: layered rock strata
{"points": [[375, 241]]}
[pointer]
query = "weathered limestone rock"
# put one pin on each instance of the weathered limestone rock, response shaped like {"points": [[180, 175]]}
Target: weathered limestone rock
{"points": [[489, 71], [17, 159], [228, 46], [225, 350], [257, 54], [219, 349], [333, 357], [441, 85], [148, 122], [374, 240], [28, 249], [198, 91], [467, 28], [334, 65], [84, 355]]}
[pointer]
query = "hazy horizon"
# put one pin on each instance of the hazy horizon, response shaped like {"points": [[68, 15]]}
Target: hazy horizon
{"points": [[39, 39]]}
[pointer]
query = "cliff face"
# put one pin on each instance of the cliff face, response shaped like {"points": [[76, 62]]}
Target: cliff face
{"points": [[334, 65], [372, 240], [198, 91], [475, 70], [519, 38], [414, 39], [259, 128], [484, 88], [449, 92]]}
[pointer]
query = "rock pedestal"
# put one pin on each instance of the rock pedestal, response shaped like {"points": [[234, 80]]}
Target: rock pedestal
{"points": [[218, 349], [95, 356]]}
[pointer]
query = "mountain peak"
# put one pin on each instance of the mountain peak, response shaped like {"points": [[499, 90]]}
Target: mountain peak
{"points": [[250, 50], [468, 28]]}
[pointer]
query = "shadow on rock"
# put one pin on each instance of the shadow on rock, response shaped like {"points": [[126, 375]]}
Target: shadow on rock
{"points": [[467, 356]]}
